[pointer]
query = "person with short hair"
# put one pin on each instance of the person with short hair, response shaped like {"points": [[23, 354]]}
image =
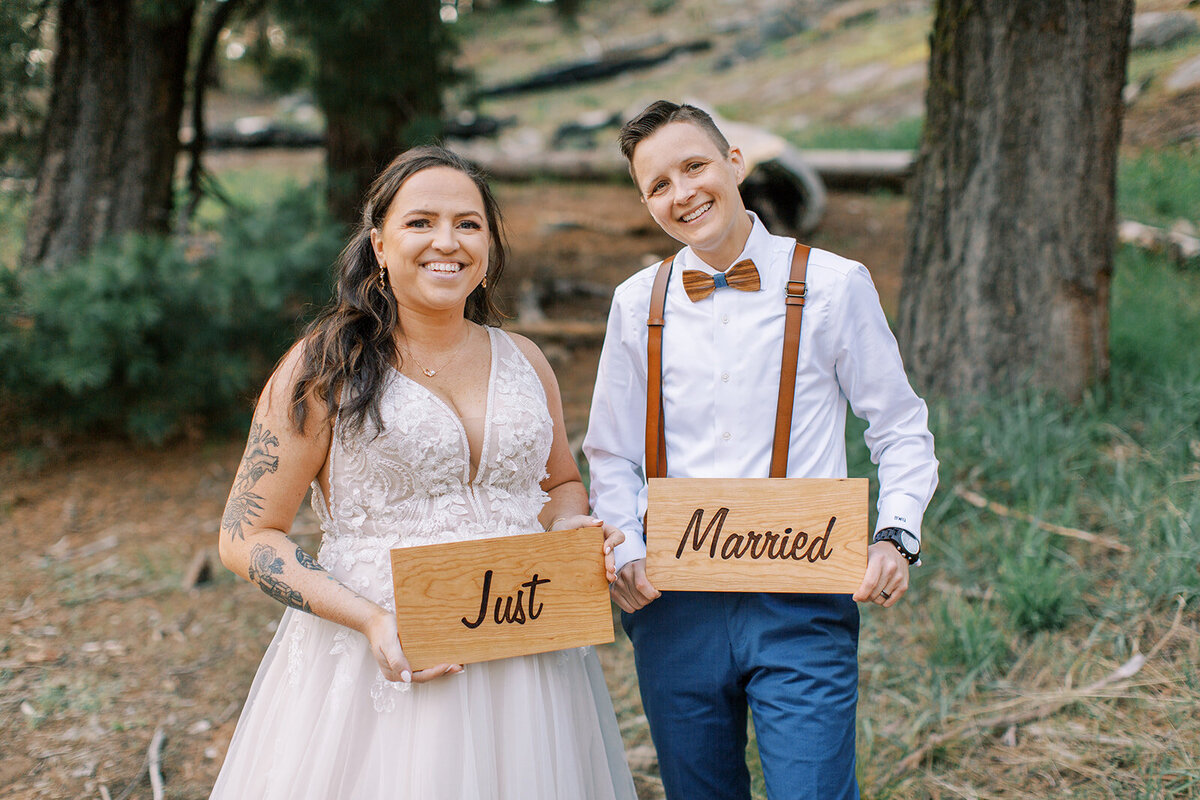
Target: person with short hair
{"points": [[704, 658]]}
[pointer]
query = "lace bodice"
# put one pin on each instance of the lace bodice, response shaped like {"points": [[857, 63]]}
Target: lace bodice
{"points": [[411, 484]]}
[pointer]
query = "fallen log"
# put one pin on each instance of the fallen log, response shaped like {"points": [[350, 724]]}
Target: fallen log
{"points": [[253, 133], [1180, 246], [604, 164], [588, 70], [862, 169], [567, 331], [780, 186]]}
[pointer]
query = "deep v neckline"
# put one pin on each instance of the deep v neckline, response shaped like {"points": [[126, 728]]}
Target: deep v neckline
{"points": [[468, 478]]}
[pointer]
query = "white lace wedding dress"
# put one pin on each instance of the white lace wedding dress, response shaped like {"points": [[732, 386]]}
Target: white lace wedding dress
{"points": [[321, 722]]}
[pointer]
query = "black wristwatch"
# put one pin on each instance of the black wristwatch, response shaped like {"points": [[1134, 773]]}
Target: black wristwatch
{"points": [[908, 545]]}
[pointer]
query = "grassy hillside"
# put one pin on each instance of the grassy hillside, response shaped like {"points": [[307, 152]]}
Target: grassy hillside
{"points": [[820, 72]]}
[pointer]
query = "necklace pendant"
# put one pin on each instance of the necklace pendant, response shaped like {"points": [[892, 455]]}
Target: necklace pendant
{"points": [[429, 373]]}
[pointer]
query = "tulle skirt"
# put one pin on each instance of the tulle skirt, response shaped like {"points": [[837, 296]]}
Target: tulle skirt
{"points": [[322, 723]]}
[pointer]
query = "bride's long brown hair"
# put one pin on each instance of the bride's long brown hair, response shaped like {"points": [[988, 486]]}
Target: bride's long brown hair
{"points": [[349, 348]]}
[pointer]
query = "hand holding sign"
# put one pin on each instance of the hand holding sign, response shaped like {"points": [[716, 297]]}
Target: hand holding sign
{"points": [[886, 579], [757, 534], [483, 599], [612, 537], [632, 590], [384, 641]]}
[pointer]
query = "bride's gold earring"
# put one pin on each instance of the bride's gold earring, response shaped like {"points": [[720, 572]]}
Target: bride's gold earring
{"points": [[382, 278], [484, 284]]}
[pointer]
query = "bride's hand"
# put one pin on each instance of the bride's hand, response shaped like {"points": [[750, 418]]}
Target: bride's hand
{"points": [[612, 537], [384, 639]]}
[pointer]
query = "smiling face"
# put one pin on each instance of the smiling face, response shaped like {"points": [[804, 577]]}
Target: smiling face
{"points": [[691, 189], [434, 241]]}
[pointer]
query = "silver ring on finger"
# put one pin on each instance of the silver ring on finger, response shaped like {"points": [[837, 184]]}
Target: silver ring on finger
{"points": [[885, 595]]}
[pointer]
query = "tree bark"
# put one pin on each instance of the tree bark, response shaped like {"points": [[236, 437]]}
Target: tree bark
{"points": [[112, 130], [1012, 227], [381, 68]]}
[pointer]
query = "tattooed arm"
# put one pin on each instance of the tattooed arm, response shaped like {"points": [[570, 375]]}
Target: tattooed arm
{"points": [[277, 468]]}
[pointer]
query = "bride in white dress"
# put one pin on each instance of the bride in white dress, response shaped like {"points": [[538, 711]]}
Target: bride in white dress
{"points": [[414, 423]]}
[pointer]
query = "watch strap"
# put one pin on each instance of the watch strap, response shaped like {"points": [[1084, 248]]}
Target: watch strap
{"points": [[896, 537]]}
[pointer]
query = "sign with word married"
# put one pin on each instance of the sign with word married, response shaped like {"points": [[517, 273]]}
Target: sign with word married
{"points": [[477, 600], [757, 534]]}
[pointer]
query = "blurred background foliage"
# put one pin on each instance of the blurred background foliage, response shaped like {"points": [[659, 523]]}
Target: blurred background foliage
{"points": [[153, 337], [157, 336], [24, 75]]}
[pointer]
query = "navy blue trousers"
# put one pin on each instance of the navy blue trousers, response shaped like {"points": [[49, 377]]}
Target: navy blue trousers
{"points": [[703, 658]]}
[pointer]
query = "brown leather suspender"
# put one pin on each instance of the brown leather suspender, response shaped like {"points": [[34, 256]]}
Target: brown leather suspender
{"points": [[656, 435], [797, 291], [656, 441]]}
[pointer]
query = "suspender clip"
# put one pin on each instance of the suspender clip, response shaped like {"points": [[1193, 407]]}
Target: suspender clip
{"points": [[796, 293]]}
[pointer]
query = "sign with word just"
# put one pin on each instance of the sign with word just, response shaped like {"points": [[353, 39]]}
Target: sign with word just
{"points": [[757, 534], [482, 599]]}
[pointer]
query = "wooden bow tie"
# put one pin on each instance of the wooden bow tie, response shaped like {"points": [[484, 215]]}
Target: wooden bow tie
{"points": [[742, 276]]}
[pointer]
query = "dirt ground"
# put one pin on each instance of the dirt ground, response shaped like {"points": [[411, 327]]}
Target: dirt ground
{"points": [[103, 645]]}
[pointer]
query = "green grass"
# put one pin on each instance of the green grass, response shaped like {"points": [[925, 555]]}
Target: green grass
{"points": [[1004, 613], [973, 637], [904, 134], [1158, 187], [250, 189]]}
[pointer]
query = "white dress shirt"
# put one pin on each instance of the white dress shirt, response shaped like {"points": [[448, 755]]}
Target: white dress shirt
{"points": [[720, 388]]}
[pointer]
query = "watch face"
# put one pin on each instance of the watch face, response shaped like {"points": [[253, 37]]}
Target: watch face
{"points": [[910, 542]]}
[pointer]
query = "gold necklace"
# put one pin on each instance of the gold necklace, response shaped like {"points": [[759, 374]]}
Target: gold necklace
{"points": [[429, 373]]}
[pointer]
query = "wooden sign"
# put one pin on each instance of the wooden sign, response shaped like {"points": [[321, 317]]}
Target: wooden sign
{"points": [[463, 602], [757, 534]]}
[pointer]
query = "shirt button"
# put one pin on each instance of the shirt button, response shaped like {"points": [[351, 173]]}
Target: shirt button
{"points": [[725, 376], [724, 319], [727, 436]]}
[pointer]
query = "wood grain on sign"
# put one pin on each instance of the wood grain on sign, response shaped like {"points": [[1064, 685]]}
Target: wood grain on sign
{"points": [[477, 600], [757, 534]]}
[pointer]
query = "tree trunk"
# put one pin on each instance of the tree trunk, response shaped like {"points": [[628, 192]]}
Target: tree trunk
{"points": [[1012, 227], [353, 157], [381, 69], [112, 130]]}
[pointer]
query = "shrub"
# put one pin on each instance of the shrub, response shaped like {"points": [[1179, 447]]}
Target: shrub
{"points": [[150, 338], [1040, 592]]}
